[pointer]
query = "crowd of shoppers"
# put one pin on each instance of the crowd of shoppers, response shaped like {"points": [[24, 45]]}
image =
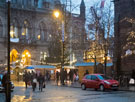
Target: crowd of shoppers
{"points": [[64, 76], [33, 79]]}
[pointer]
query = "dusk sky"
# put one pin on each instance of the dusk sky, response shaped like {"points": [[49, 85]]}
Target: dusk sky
{"points": [[88, 4]]}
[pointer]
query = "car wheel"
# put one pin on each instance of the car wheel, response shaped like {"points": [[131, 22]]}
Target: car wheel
{"points": [[102, 88], [83, 87]]}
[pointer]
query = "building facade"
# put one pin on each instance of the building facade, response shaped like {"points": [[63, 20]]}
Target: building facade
{"points": [[31, 30], [124, 52]]}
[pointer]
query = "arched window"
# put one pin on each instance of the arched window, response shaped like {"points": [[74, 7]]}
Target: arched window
{"points": [[24, 2], [42, 31], [25, 29], [14, 1], [1, 28], [14, 29]]}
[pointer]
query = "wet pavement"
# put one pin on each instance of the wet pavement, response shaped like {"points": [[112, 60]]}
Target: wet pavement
{"points": [[53, 93]]}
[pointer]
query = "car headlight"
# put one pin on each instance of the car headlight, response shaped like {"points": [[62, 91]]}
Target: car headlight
{"points": [[107, 82]]}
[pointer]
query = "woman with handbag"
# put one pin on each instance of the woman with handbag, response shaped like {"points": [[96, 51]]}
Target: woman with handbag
{"points": [[34, 83]]}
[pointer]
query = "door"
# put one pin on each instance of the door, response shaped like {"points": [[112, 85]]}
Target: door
{"points": [[88, 81], [94, 81]]}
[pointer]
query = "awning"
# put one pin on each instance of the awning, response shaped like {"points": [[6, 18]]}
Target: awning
{"points": [[85, 64], [29, 67], [42, 66]]}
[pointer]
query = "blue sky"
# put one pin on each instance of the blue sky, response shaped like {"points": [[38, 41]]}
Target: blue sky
{"points": [[88, 4]]}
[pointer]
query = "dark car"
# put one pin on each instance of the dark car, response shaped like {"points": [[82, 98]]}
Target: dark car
{"points": [[1, 86], [99, 81]]}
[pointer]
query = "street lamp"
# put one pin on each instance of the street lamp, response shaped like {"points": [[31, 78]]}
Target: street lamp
{"points": [[58, 14], [7, 90]]}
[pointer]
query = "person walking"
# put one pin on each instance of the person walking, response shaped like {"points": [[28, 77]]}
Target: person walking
{"points": [[26, 79], [65, 75], [41, 81], [57, 77], [71, 75], [34, 83], [86, 73], [4, 83]]}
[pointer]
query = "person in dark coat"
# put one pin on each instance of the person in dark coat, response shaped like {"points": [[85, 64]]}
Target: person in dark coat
{"points": [[57, 77], [26, 79], [65, 75], [71, 75], [133, 74], [41, 81], [4, 81], [86, 73]]}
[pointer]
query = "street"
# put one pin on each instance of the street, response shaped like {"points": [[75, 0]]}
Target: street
{"points": [[54, 93]]}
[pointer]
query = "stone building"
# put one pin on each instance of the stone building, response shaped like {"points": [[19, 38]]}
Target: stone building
{"points": [[30, 31], [124, 52]]}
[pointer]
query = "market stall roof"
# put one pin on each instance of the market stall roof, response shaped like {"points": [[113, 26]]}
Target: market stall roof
{"points": [[69, 67], [29, 67], [84, 64], [109, 64], [41, 66], [90, 64]]}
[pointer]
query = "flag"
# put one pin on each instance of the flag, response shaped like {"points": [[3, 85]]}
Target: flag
{"points": [[102, 4]]}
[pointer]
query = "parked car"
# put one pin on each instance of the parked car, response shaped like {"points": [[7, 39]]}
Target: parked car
{"points": [[99, 81], [1, 86]]}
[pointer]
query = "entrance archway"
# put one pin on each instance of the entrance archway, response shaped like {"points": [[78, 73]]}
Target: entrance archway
{"points": [[13, 56], [26, 58]]}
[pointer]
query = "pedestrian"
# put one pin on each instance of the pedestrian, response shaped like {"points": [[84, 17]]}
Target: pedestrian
{"points": [[86, 73], [26, 79], [5, 82], [133, 74], [47, 75], [34, 83], [57, 77], [41, 81], [71, 75], [65, 75]]}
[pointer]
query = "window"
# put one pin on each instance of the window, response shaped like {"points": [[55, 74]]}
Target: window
{"points": [[42, 31], [14, 29], [88, 77], [43, 55], [46, 4], [1, 28], [13, 32], [103, 77], [25, 29], [93, 77], [14, 1], [24, 2]]}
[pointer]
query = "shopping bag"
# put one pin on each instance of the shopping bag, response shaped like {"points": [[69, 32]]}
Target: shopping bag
{"points": [[132, 81]]}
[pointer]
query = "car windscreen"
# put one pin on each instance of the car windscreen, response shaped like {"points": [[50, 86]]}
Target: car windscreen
{"points": [[103, 77]]}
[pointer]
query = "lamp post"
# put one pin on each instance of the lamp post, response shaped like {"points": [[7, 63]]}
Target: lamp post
{"points": [[105, 60], [57, 14], [7, 90]]}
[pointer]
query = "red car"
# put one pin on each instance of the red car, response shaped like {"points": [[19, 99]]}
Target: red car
{"points": [[99, 81]]}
